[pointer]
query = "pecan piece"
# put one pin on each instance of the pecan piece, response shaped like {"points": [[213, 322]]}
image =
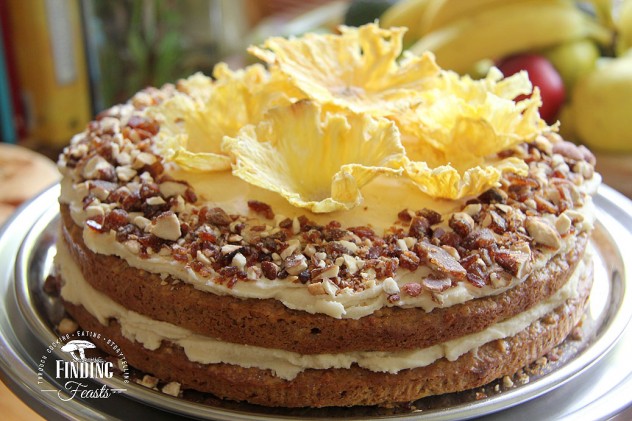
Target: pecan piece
{"points": [[270, 270], [409, 260], [218, 216], [493, 195], [543, 233], [419, 227], [440, 260], [261, 208], [436, 284], [514, 262], [413, 289], [461, 223], [432, 216], [482, 238]]}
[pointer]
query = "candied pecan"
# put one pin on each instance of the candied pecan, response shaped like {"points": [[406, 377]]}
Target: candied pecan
{"points": [[413, 289], [333, 234], [514, 262], [261, 208], [384, 267], [495, 222], [307, 225], [544, 205], [475, 267], [218, 216], [127, 230], [329, 271], [436, 283], [440, 259], [419, 227], [461, 223], [409, 260], [481, 238], [144, 124], [148, 190], [286, 223], [115, 219], [432, 216], [207, 236], [155, 169], [493, 195], [190, 196], [363, 232], [520, 180], [130, 201], [451, 239], [335, 249], [475, 279], [404, 215]]}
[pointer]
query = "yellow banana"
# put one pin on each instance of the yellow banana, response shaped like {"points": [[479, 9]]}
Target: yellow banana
{"points": [[504, 30], [406, 13], [443, 12], [623, 24]]}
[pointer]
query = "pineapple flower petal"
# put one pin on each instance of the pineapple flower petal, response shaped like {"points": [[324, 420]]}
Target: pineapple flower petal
{"points": [[194, 121], [452, 135], [315, 159], [356, 70]]}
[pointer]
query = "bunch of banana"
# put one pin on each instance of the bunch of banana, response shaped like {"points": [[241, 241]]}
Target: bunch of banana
{"points": [[463, 32]]}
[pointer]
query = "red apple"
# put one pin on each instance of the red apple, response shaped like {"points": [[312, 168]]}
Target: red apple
{"points": [[543, 75]]}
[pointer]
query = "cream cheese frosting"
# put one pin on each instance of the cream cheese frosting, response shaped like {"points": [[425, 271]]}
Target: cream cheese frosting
{"points": [[343, 304], [285, 364]]}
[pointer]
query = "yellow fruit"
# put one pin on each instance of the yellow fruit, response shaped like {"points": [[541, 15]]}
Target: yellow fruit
{"points": [[573, 60], [601, 106]]}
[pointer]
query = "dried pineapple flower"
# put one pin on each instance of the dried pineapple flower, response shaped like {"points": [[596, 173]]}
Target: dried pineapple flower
{"points": [[452, 135], [193, 123], [315, 159], [356, 70]]}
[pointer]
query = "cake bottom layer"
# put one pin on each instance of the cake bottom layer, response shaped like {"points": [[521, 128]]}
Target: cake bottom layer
{"points": [[353, 386]]}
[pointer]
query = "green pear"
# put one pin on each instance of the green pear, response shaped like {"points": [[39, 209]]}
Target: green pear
{"points": [[573, 60], [602, 107]]}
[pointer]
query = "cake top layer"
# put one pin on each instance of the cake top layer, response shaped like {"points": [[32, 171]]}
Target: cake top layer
{"points": [[338, 180]]}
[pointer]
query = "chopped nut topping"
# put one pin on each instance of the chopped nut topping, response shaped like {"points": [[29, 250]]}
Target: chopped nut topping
{"points": [[67, 326], [295, 264], [261, 208], [316, 289], [270, 270], [172, 388], [390, 287], [440, 260], [166, 226], [516, 263], [149, 381], [172, 188], [543, 233], [462, 223]]}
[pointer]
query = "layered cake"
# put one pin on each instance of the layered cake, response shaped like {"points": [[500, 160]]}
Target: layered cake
{"points": [[341, 224]]}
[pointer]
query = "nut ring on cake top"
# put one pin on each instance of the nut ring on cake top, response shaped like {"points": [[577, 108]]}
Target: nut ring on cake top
{"points": [[269, 324]]}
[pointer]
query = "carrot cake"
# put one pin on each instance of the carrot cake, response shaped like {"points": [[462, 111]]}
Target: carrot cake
{"points": [[340, 225]]}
